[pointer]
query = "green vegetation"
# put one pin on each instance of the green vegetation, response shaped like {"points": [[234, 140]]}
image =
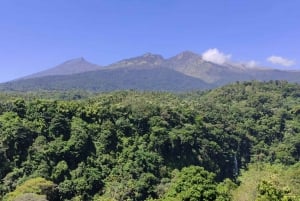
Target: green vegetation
{"points": [[37, 188], [239, 142], [269, 182]]}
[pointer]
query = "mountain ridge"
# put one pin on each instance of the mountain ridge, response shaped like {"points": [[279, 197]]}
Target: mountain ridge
{"points": [[142, 60], [184, 71], [69, 67]]}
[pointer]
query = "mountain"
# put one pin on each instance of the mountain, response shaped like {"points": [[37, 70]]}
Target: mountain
{"points": [[150, 79], [184, 71], [74, 66], [193, 65], [146, 60]]}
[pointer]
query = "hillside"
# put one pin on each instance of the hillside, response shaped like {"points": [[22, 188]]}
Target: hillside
{"points": [[139, 78], [149, 72], [74, 66], [131, 145]]}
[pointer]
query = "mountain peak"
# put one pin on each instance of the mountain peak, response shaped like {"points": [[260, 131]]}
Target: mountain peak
{"points": [[152, 58], [186, 70], [147, 59], [75, 60], [185, 56], [151, 55], [73, 66], [187, 53]]}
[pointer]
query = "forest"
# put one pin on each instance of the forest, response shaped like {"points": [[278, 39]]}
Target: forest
{"points": [[239, 142]]}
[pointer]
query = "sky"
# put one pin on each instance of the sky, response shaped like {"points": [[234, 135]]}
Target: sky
{"points": [[36, 35]]}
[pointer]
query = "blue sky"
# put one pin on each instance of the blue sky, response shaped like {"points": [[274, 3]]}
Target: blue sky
{"points": [[36, 34]]}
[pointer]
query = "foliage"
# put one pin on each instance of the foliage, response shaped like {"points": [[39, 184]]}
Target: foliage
{"points": [[131, 145], [269, 182], [268, 191], [192, 183], [31, 188]]}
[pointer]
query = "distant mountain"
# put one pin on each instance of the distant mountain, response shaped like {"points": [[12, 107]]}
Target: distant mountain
{"points": [[150, 79], [187, 62], [193, 65], [74, 66], [185, 71], [146, 60]]}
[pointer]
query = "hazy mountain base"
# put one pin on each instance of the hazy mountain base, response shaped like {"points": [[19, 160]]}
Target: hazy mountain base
{"points": [[159, 146], [153, 79]]}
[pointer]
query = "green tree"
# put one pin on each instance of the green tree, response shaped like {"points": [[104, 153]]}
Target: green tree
{"points": [[36, 186], [193, 183], [269, 192]]}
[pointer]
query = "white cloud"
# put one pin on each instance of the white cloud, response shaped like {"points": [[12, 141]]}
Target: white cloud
{"points": [[280, 60], [215, 56], [251, 64]]}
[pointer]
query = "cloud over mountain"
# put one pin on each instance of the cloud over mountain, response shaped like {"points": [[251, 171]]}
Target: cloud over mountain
{"points": [[251, 64], [280, 61], [215, 56]]}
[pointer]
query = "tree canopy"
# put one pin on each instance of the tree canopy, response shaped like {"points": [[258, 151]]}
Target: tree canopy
{"points": [[131, 145]]}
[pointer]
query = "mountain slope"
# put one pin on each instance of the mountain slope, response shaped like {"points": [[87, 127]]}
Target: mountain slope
{"points": [[143, 78], [188, 63], [185, 71], [194, 65], [74, 66], [145, 60]]}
